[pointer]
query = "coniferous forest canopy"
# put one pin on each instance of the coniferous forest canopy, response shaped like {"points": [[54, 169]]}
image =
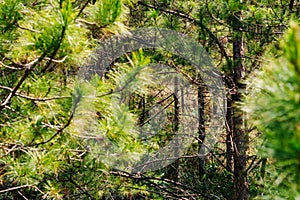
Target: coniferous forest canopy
{"points": [[81, 120]]}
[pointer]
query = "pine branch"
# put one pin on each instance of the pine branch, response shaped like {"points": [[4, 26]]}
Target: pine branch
{"points": [[83, 7], [81, 189], [33, 98], [28, 69], [27, 29], [9, 67], [59, 131], [17, 65], [63, 32], [57, 61], [191, 19]]}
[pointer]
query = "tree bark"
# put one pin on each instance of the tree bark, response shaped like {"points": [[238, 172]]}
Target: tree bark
{"points": [[176, 127], [291, 5], [229, 135], [175, 166], [201, 131], [240, 138]]}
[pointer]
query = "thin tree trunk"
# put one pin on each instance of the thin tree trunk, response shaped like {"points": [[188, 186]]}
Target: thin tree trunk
{"points": [[172, 170], [175, 176], [240, 138], [291, 5], [229, 135], [201, 131]]}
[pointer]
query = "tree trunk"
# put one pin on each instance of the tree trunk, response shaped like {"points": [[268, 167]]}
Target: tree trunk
{"points": [[172, 170], [240, 138], [229, 135], [175, 165], [201, 130]]}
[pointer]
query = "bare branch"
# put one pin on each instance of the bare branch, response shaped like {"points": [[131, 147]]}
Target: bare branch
{"points": [[27, 29], [34, 98], [57, 61], [18, 65], [83, 7], [22, 195], [9, 67], [15, 188]]}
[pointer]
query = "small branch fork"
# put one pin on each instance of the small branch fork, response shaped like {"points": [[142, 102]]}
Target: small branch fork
{"points": [[58, 132], [62, 128], [28, 68]]}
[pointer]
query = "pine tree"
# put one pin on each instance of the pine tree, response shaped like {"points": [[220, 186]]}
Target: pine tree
{"points": [[43, 44], [273, 107]]}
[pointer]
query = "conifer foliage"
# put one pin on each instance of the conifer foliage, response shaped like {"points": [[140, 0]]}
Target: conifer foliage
{"points": [[61, 136], [273, 106]]}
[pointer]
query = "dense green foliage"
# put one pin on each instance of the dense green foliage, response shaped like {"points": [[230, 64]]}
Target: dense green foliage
{"points": [[273, 106], [58, 143]]}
